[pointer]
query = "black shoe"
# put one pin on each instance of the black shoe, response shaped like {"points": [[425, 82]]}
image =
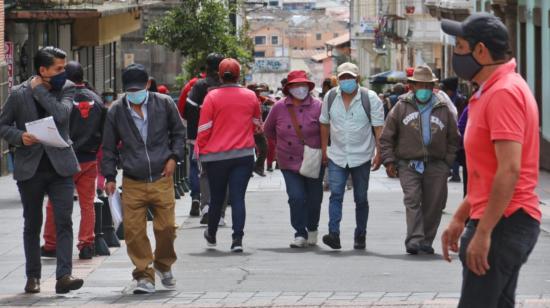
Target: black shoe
{"points": [[204, 219], [412, 250], [86, 253], [68, 283], [32, 286], [455, 179], [47, 253], [210, 240], [269, 169], [425, 249], [237, 245], [195, 208], [360, 243], [100, 193], [259, 171], [332, 240]]}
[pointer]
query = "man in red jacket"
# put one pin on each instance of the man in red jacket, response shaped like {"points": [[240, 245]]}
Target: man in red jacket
{"points": [[185, 92]]}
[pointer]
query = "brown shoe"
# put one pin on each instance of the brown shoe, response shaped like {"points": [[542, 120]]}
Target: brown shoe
{"points": [[68, 283], [33, 285]]}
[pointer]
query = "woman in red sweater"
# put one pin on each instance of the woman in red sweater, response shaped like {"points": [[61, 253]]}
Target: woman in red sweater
{"points": [[225, 145]]}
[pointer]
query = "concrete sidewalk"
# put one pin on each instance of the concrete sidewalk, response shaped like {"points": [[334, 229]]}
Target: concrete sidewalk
{"points": [[268, 273]]}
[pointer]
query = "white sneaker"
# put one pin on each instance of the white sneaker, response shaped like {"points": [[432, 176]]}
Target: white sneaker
{"points": [[222, 222], [299, 242], [312, 238], [144, 286], [167, 279]]}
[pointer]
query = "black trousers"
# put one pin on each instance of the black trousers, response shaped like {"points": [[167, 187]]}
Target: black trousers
{"points": [[261, 146], [60, 191], [512, 241]]}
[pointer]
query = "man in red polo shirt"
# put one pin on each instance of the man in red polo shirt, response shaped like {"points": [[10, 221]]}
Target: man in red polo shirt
{"points": [[502, 153]]}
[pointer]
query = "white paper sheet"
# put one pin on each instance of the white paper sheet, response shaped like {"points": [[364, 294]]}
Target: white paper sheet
{"points": [[46, 132], [115, 205]]}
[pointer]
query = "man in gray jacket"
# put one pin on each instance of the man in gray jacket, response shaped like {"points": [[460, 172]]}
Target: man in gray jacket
{"points": [[420, 139], [41, 169], [146, 130]]}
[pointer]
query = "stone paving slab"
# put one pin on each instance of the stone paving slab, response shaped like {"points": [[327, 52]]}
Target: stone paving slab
{"points": [[248, 280], [276, 299]]}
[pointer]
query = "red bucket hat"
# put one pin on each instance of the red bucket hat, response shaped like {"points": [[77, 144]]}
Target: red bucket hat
{"points": [[298, 77]]}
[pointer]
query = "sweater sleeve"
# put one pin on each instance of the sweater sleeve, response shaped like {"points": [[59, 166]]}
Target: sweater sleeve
{"points": [[388, 138], [206, 122], [271, 123]]}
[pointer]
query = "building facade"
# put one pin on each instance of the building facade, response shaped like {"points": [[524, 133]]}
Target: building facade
{"points": [[4, 85], [529, 27], [88, 30], [161, 63], [394, 35]]}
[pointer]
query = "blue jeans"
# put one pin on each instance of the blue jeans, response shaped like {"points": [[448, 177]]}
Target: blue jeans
{"points": [[194, 175], [304, 198], [337, 177], [232, 174], [512, 241]]}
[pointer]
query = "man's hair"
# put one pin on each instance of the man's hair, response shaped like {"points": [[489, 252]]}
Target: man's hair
{"points": [[46, 56], [75, 73], [228, 77], [496, 53], [213, 62]]}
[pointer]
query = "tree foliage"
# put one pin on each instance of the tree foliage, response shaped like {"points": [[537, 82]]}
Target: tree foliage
{"points": [[197, 28]]}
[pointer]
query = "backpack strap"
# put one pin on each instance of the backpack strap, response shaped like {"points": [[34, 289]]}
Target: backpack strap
{"points": [[365, 101]]}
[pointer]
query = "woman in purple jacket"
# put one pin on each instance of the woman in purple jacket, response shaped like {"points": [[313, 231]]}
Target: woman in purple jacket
{"points": [[304, 194]]}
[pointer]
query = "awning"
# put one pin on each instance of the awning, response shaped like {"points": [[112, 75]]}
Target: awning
{"points": [[337, 41], [93, 24], [320, 57], [104, 29], [389, 77]]}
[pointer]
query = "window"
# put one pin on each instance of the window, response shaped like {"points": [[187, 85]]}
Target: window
{"points": [[274, 40], [259, 40], [259, 54], [335, 35], [318, 36]]}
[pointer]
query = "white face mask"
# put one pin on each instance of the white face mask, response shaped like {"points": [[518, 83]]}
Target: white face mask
{"points": [[299, 92]]}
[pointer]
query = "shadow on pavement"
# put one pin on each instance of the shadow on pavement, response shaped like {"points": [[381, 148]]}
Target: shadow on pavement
{"points": [[407, 257], [214, 253]]}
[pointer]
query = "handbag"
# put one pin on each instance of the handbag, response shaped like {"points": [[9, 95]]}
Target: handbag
{"points": [[311, 163]]}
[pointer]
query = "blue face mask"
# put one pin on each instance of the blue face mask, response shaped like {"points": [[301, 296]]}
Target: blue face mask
{"points": [[58, 81], [348, 85], [109, 98], [138, 97], [423, 95]]}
